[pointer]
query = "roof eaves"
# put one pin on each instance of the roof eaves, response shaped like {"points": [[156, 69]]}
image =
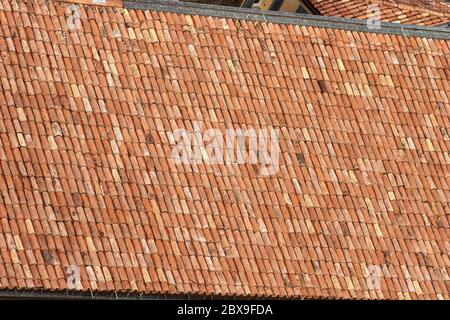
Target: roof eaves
{"points": [[110, 295], [418, 6], [286, 18]]}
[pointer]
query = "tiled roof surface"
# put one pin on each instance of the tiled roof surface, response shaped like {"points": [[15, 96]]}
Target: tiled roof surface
{"points": [[434, 5], [87, 180], [418, 12]]}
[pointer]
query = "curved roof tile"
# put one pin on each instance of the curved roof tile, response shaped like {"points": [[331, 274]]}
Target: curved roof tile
{"points": [[91, 198]]}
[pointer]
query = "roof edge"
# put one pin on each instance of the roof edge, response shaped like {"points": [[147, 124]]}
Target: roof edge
{"points": [[286, 18], [47, 294]]}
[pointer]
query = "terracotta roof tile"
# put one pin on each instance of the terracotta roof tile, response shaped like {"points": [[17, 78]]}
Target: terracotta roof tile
{"points": [[418, 12], [356, 210]]}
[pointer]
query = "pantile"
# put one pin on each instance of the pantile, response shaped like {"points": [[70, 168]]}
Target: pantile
{"points": [[357, 209]]}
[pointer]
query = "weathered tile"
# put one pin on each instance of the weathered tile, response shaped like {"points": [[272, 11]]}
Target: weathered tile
{"points": [[357, 208]]}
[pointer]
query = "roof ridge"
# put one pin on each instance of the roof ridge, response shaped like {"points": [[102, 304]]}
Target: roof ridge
{"points": [[349, 24]]}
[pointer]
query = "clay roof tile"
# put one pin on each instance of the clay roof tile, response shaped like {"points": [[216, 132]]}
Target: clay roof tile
{"points": [[89, 188]]}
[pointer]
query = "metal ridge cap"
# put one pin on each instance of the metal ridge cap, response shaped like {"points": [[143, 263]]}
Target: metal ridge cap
{"points": [[286, 18]]}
